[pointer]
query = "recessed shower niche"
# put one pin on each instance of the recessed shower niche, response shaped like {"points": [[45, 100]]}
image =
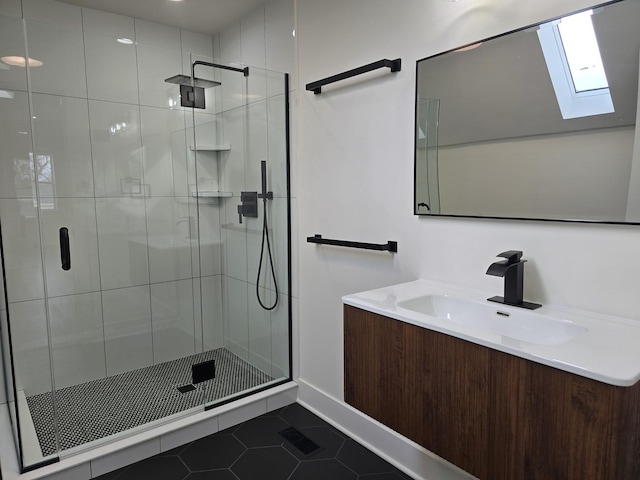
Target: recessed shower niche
{"points": [[162, 275]]}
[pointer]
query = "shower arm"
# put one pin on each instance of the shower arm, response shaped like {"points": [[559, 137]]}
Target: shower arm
{"points": [[244, 71]]}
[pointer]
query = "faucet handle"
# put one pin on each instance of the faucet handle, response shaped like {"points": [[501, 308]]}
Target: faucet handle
{"points": [[512, 256], [240, 213]]}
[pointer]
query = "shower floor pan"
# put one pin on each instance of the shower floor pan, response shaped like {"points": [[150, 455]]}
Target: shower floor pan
{"points": [[100, 408]]}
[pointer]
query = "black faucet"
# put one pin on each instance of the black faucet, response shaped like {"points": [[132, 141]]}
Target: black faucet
{"points": [[512, 269]]}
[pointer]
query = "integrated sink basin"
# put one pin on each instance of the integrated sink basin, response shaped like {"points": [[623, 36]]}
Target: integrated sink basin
{"points": [[507, 321], [597, 346]]}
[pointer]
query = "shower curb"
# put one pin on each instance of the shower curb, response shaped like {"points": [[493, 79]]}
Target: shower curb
{"points": [[106, 458]]}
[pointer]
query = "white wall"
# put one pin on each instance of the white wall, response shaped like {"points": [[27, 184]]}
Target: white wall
{"points": [[356, 172], [569, 175]]}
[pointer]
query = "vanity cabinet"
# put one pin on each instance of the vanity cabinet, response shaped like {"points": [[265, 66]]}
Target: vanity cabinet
{"points": [[495, 415]]}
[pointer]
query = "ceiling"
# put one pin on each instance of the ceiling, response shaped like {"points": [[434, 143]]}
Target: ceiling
{"points": [[204, 16]]}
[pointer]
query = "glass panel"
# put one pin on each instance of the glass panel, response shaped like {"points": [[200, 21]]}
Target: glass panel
{"points": [[8, 386], [35, 399], [27, 323], [427, 190], [25, 328], [163, 277], [12, 75], [240, 134], [125, 319]]}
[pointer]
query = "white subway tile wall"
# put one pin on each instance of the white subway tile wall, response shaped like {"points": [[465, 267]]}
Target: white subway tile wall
{"points": [[127, 329]]}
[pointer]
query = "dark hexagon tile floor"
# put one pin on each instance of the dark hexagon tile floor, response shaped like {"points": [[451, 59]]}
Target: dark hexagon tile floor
{"points": [[255, 450]]}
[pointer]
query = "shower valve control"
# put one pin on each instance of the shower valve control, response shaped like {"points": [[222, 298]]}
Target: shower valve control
{"points": [[249, 207]]}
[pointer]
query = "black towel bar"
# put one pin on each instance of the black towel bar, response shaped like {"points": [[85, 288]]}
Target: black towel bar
{"points": [[394, 65], [389, 246]]}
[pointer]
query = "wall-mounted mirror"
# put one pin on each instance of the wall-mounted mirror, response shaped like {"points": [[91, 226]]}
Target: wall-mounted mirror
{"points": [[538, 123]]}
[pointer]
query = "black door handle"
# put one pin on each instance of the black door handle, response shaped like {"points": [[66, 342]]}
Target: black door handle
{"points": [[65, 253]]}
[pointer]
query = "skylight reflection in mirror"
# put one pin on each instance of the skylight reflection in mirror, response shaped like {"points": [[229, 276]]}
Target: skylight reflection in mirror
{"points": [[582, 52], [575, 66]]}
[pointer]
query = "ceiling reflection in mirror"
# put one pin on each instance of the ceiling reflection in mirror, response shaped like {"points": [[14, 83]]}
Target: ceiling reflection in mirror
{"points": [[525, 125]]}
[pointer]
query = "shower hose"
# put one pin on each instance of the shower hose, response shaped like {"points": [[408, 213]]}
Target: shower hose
{"points": [[265, 237]]}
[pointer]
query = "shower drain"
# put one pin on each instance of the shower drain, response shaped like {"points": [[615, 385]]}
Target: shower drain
{"points": [[186, 388]]}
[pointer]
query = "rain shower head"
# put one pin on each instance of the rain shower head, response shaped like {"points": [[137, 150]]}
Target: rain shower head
{"points": [[192, 87], [197, 82]]}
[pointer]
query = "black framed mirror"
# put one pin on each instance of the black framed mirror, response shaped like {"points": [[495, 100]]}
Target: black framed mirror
{"points": [[538, 123]]}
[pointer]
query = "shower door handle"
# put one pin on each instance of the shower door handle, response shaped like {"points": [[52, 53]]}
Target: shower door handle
{"points": [[65, 253]]}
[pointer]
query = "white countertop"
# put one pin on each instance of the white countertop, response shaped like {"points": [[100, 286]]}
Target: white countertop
{"points": [[608, 352]]}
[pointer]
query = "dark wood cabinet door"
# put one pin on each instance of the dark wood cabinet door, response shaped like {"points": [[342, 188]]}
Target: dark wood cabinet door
{"points": [[412, 380], [496, 416]]}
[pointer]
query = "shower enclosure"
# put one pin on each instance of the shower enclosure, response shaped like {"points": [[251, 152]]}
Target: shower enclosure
{"points": [[137, 285]]}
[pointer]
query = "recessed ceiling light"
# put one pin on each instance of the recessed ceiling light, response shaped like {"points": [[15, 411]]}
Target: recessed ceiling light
{"points": [[16, 61], [6, 94], [125, 41]]}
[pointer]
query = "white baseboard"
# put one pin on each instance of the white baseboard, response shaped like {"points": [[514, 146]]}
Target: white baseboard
{"points": [[408, 456]]}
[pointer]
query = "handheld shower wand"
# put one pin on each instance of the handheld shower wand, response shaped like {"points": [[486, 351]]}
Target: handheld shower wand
{"points": [[265, 236]]}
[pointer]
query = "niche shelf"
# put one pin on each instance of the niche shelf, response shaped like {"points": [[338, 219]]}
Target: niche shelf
{"points": [[210, 148], [211, 194]]}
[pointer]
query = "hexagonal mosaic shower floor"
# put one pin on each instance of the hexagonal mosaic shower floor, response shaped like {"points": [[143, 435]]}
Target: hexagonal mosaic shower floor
{"points": [[100, 408]]}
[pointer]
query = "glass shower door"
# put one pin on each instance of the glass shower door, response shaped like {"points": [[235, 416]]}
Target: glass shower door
{"points": [[104, 332], [240, 148], [25, 333], [128, 271]]}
